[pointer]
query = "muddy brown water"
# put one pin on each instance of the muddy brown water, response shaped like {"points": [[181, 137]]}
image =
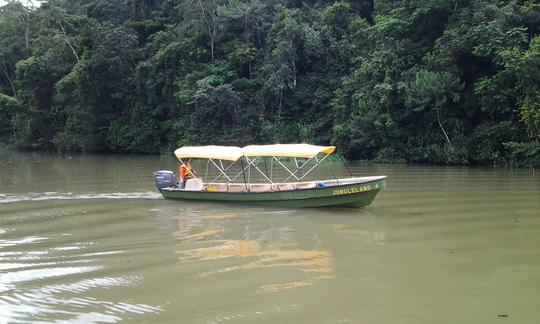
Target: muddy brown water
{"points": [[87, 238]]}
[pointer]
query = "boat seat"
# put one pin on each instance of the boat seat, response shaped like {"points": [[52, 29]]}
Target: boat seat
{"points": [[195, 184], [217, 187], [237, 187], [305, 185], [286, 186], [263, 187], [258, 187]]}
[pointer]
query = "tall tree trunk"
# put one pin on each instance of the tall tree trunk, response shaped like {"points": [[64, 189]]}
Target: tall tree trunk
{"points": [[211, 27], [68, 42], [294, 73], [27, 25], [26, 30], [8, 78], [441, 126], [211, 49], [214, 33]]}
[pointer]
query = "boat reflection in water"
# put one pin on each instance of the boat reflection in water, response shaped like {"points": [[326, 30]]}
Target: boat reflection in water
{"points": [[207, 239]]}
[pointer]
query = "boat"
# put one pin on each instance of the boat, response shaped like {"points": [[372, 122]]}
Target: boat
{"points": [[236, 185]]}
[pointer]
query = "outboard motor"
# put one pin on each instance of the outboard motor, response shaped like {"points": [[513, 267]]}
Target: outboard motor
{"points": [[164, 179]]}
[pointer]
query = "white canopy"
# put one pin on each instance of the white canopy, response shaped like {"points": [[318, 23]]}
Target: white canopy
{"points": [[230, 153], [233, 153], [287, 150]]}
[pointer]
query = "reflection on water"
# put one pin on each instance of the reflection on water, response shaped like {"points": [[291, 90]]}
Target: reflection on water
{"points": [[88, 239], [358, 235], [273, 247], [265, 256]]}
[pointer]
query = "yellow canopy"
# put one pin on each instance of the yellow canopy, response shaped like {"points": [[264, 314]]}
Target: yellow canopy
{"points": [[233, 153], [230, 153], [287, 150]]}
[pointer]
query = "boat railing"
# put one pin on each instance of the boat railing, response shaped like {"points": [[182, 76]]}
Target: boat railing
{"points": [[259, 187]]}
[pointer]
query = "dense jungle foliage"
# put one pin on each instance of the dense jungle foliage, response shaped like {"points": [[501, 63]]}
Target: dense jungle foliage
{"points": [[422, 81]]}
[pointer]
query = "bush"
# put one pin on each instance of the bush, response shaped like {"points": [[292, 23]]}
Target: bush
{"points": [[438, 155], [8, 106], [523, 154], [485, 143], [388, 155]]}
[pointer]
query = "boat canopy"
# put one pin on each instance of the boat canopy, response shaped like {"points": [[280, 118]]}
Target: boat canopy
{"points": [[252, 155], [287, 150], [233, 153], [229, 153]]}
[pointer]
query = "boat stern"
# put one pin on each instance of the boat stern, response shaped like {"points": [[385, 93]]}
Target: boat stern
{"points": [[164, 179]]}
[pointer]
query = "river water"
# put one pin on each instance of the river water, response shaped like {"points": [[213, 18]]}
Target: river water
{"points": [[87, 238]]}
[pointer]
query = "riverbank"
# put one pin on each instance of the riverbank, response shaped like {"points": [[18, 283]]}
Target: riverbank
{"points": [[518, 155]]}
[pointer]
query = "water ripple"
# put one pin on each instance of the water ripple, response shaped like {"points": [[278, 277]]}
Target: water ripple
{"points": [[41, 196], [38, 303]]}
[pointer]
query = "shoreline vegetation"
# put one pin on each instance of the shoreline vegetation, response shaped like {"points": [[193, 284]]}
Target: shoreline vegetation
{"points": [[450, 82], [336, 157]]}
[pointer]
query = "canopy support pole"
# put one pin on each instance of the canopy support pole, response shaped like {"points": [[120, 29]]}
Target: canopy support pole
{"points": [[271, 167], [222, 171], [206, 172], [243, 173], [298, 168], [249, 171], [239, 173], [316, 165], [292, 173], [260, 171], [350, 173], [266, 167]]}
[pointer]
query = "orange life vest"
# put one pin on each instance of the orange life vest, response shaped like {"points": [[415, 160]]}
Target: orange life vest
{"points": [[186, 172], [189, 172], [182, 171]]}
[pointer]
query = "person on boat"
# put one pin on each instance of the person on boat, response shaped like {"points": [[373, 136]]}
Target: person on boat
{"points": [[186, 173]]}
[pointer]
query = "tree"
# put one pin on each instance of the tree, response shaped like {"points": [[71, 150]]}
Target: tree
{"points": [[8, 107], [14, 42], [433, 91], [526, 67], [432, 81]]}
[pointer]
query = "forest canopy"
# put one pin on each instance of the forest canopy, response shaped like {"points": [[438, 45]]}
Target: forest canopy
{"points": [[421, 81]]}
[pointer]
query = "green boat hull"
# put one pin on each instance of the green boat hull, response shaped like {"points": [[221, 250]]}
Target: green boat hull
{"points": [[357, 194]]}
